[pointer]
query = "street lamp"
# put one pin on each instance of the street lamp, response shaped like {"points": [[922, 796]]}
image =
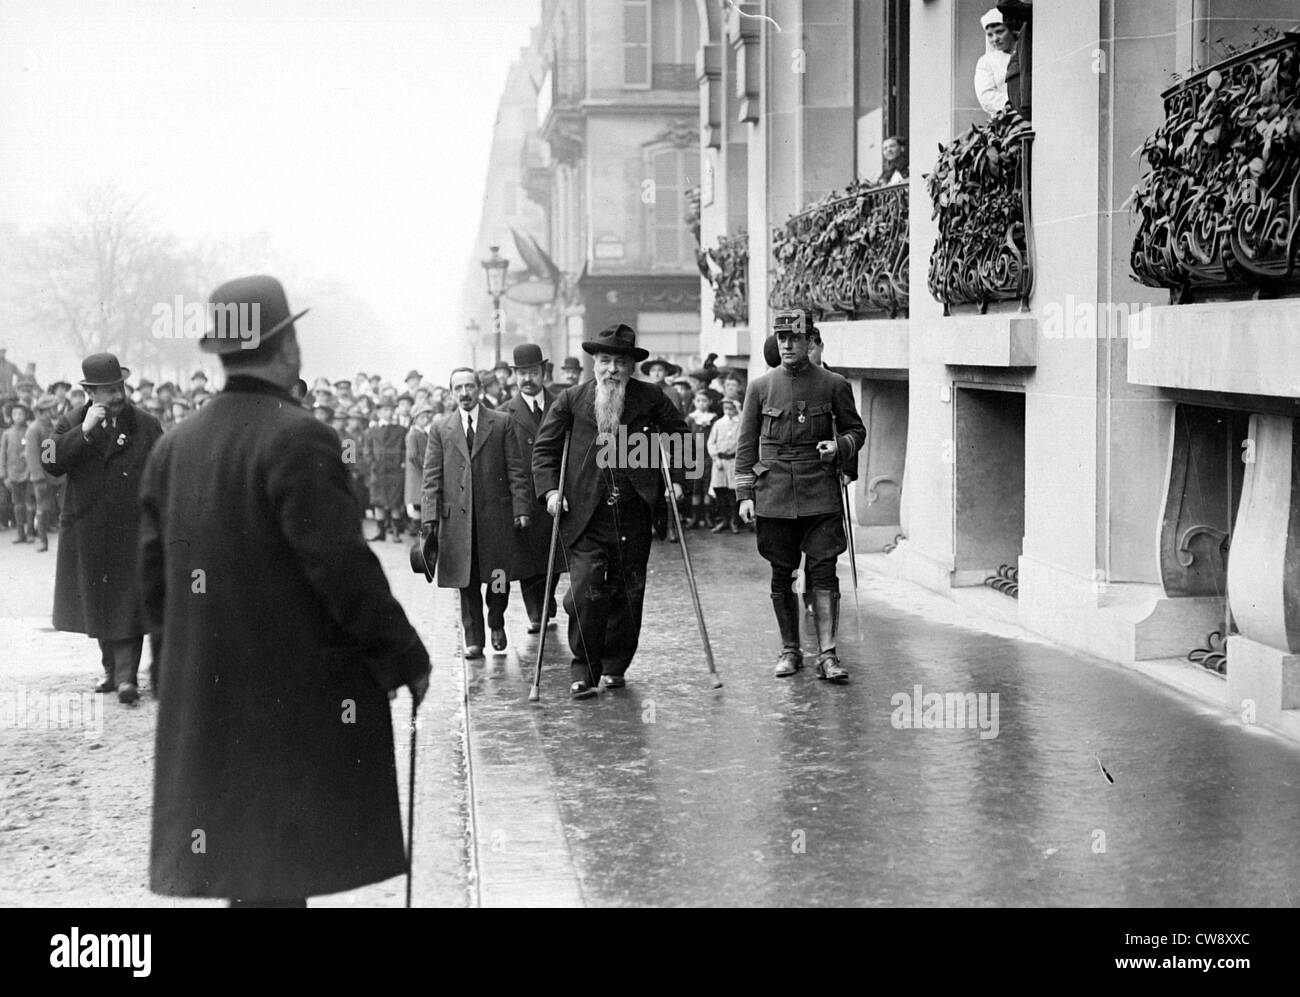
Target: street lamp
{"points": [[495, 267]]}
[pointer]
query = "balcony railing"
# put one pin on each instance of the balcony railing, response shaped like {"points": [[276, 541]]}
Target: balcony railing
{"points": [[846, 255], [726, 268], [1219, 211], [980, 191]]}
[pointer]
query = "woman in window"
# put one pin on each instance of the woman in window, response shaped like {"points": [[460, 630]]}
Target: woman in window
{"points": [[991, 70]]}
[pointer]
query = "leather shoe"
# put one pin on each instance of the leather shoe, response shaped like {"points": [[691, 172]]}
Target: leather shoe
{"points": [[534, 626], [127, 693], [789, 663], [580, 690], [498, 639], [829, 668], [473, 651], [108, 685], [613, 681]]}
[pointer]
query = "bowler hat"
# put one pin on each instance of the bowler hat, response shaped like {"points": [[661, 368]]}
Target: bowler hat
{"points": [[273, 315], [528, 355], [571, 363], [418, 564], [617, 339], [671, 369], [99, 370]]}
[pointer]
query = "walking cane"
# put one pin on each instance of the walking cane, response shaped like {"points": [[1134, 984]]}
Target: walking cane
{"points": [[848, 534], [410, 812], [686, 561], [535, 692]]}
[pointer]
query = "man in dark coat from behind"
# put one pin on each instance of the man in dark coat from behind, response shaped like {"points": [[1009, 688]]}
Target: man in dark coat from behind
{"points": [[526, 410], [275, 778], [102, 447]]}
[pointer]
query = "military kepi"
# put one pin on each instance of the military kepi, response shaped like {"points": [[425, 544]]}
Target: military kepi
{"points": [[273, 314]]}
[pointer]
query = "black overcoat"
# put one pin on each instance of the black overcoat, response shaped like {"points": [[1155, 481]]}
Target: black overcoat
{"points": [[646, 411], [484, 492], [96, 589], [534, 542], [280, 641]]}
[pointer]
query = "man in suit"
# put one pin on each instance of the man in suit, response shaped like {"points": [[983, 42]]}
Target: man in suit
{"points": [[526, 410], [417, 441], [101, 447], [275, 777], [605, 509], [476, 501]]}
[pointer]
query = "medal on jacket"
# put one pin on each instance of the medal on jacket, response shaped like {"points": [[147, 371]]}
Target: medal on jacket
{"points": [[801, 406]]}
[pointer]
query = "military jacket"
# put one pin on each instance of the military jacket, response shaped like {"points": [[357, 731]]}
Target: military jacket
{"points": [[786, 414]]}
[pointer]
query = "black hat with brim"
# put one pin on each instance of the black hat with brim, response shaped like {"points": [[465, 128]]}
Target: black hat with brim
{"points": [[244, 293], [99, 370], [617, 339]]}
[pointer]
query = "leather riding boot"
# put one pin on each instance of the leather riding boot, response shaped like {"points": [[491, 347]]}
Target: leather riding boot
{"points": [[826, 611], [786, 606]]}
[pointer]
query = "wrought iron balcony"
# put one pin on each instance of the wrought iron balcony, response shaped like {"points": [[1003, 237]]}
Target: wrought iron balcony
{"points": [[845, 255], [980, 191], [726, 268], [1219, 211]]}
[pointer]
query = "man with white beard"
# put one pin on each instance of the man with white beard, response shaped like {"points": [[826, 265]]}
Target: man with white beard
{"points": [[609, 489]]}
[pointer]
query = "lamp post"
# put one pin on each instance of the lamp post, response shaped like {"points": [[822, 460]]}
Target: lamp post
{"points": [[472, 329], [495, 267]]}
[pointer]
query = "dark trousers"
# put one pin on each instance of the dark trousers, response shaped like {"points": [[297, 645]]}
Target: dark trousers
{"points": [[607, 589], [121, 659], [539, 602], [820, 538], [471, 599]]}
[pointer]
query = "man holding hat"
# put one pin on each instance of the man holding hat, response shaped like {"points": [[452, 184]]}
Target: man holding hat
{"points": [[474, 504], [281, 643], [605, 509], [527, 410], [102, 447], [798, 427]]}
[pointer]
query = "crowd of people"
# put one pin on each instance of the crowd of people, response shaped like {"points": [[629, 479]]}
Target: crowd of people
{"points": [[232, 538]]}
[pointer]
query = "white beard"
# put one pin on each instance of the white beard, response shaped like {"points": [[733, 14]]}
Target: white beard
{"points": [[609, 406]]}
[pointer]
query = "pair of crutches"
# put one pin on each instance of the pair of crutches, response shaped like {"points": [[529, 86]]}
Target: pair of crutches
{"points": [[535, 690]]}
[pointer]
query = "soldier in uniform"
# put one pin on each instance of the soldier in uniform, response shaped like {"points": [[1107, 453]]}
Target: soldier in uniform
{"points": [[798, 427]]}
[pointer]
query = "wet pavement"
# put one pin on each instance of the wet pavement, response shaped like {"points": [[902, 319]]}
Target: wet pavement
{"points": [[1099, 788]]}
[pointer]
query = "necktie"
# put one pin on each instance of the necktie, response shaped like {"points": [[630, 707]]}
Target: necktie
{"points": [[469, 432]]}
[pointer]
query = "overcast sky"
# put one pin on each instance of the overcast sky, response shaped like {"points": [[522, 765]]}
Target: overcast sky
{"points": [[355, 133]]}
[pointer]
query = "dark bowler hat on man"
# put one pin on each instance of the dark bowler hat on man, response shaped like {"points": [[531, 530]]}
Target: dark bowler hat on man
{"points": [[528, 355], [99, 370], [273, 312], [571, 363], [617, 339]]}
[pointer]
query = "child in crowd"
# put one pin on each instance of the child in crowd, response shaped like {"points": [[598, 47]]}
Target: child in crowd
{"points": [[701, 419], [723, 439]]}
